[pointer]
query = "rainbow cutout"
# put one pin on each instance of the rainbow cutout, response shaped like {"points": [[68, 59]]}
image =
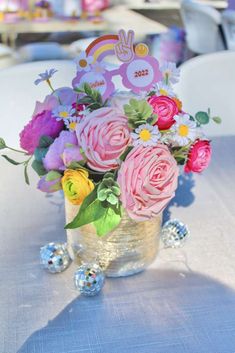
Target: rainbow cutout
{"points": [[102, 46]]}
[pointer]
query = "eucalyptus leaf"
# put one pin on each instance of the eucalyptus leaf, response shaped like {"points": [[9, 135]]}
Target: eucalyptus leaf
{"points": [[2, 143], [10, 160], [26, 177], [202, 117], [108, 222], [217, 119]]}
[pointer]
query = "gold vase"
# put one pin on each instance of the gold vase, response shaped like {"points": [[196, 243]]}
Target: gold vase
{"points": [[129, 249]]}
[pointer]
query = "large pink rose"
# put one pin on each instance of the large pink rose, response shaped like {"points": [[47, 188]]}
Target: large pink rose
{"points": [[41, 124], [199, 157], [165, 108], [104, 136], [148, 179]]}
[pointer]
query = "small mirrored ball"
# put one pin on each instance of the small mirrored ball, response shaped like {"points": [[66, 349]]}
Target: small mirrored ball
{"points": [[89, 279], [174, 234], [55, 257]]}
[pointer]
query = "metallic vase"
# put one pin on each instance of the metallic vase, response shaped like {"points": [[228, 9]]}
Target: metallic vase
{"points": [[129, 249]]}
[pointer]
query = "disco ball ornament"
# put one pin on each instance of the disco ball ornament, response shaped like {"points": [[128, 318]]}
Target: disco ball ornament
{"points": [[89, 279], [174, 234], [55, 257]]}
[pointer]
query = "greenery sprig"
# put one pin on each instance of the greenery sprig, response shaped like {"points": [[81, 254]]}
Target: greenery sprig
{"points": [[92, 98]]}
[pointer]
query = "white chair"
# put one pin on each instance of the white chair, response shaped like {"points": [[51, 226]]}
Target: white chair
{"points": [[209, 81], [228, 25], [201, 23]]}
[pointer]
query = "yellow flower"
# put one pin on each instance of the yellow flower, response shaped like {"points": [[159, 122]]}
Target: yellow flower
{"points": [[76, 185]]}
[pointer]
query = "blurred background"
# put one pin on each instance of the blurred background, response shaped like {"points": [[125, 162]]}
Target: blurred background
{"points": [[198, 35], [59, 29]]}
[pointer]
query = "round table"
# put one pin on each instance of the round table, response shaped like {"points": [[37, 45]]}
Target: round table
{"points": [[184, 303]]}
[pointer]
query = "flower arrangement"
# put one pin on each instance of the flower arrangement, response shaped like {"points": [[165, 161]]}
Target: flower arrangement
{"points": [[113, 154]]}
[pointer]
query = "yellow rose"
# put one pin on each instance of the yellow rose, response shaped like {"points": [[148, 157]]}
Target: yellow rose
{"points": [[76, 185]]}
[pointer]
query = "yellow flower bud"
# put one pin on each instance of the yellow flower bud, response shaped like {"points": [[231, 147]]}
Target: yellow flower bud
{"points": [[76, 185]]}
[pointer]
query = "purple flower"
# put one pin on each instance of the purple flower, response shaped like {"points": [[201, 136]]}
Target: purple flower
{"points": [[41, 124], [66, 95], [45, 76], [53, 159], [50, 102], [71, 154], [50, 182]]}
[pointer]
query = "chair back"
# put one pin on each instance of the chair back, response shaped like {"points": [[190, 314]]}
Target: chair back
{"points": [[208, 81], [202, 27], [228, 25]]}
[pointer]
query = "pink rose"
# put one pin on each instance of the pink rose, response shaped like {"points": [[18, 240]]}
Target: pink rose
{"points": [[165, 108], [41, 124], [148, 179], [199, 157], [103, 136]]}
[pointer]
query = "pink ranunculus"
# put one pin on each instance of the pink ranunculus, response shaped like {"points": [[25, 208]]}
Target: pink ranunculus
{"points": [[165, 108], [104, 136], [41, 124], [148, 180], [55, 155], [199, 157]]}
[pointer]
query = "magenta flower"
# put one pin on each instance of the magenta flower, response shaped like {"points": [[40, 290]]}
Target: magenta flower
{"points": [[39, 125], [50, 182], [54, 157]]}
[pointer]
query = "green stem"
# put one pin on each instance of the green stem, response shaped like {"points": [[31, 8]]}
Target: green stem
{"points": [[50, 85], [15, 150]]}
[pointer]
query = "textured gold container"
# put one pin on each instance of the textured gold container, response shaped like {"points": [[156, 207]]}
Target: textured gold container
{"points": [[129, 249]]}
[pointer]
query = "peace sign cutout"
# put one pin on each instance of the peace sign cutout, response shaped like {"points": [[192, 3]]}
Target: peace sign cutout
{"points": [[124, 48]]}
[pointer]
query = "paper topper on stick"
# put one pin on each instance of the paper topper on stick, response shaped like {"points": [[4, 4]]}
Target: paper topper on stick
{"points": [[139, 71]]}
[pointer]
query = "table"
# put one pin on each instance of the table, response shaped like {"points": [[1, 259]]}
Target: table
{"points": [[184, 303], [9, 31], [115, 18]]}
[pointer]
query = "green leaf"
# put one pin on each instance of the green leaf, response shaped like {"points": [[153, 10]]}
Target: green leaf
{"points": [[45, 141], [90, 210], [26, 177], [11, 160], [124, 155], [2, 144], [40, 153], [39, 168], [217, 119], [107, 222], [202, 118]]}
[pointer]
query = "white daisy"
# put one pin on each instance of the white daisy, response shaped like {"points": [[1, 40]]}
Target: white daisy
{"points": [[63, 112], [184, 130], [83, 62], [163, 89], [71, 123], [146, 135], [170, 72]]}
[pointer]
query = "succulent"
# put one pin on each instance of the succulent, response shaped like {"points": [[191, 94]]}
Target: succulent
{"points": [[109, 190], [139, 112]]}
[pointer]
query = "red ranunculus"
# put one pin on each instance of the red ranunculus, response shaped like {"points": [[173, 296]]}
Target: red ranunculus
{"points": [[199, 157], [165, 108]]}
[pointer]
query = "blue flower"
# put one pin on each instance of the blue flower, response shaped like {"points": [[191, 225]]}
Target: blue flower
{"points": [[45, 76]]}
